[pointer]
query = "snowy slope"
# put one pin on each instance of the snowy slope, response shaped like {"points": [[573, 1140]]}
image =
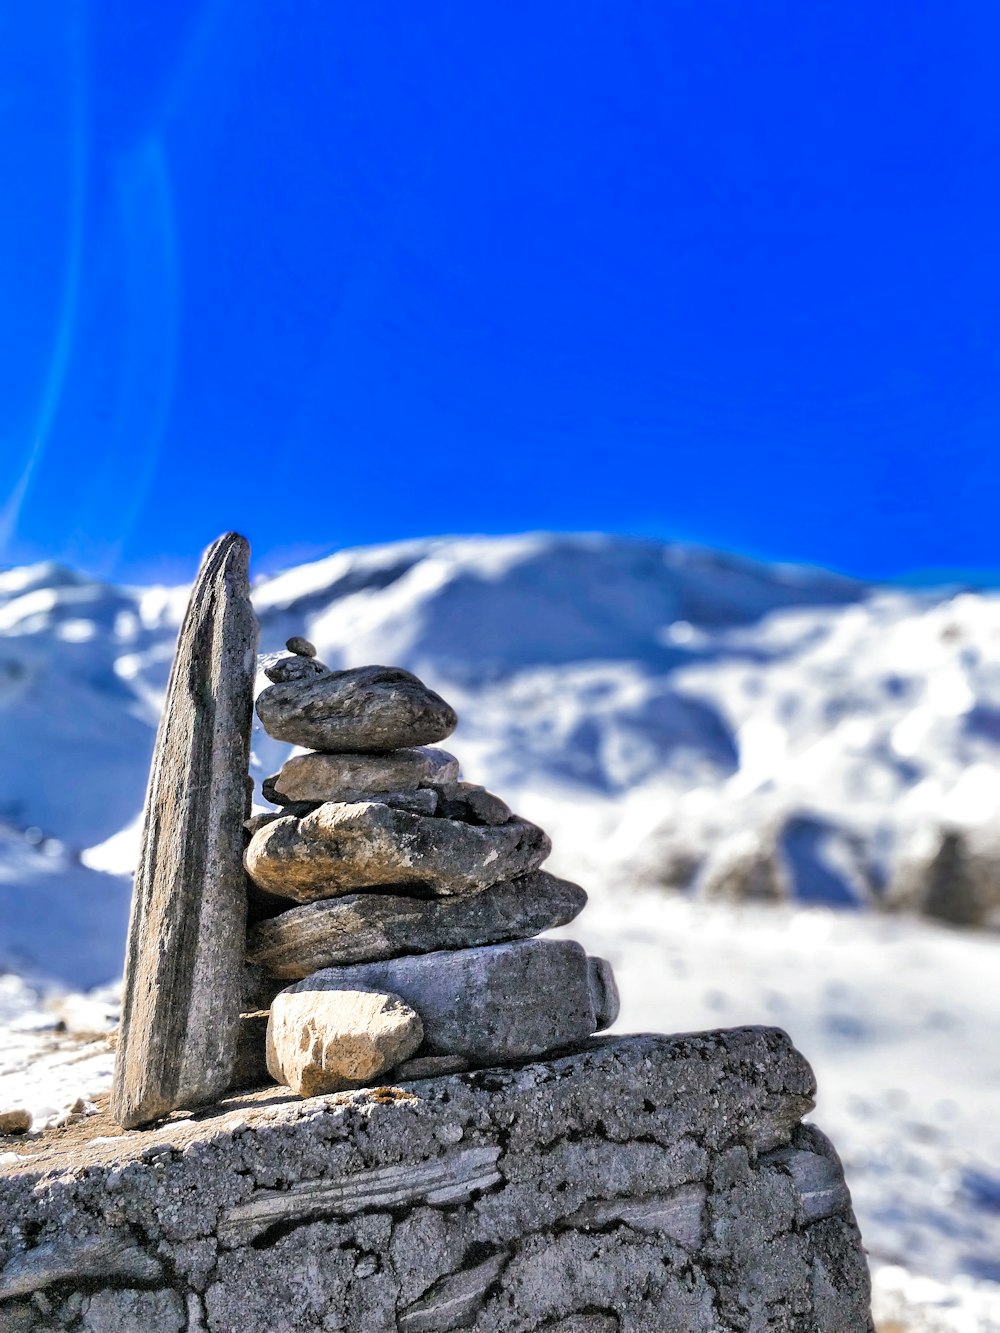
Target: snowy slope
{"points": [[732, 728]]}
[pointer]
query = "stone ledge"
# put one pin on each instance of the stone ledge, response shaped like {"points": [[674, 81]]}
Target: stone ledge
{"points": [[653, 1183]]}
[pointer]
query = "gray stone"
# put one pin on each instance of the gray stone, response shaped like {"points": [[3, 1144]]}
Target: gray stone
{"points": [[289, 670], [262, 818], [584, 1323], [353, 777], [423, 801], [341, 848], [372, 708], [366, 927], [302, 647], [322, 1038], [15, 1121], [640, 1184], [109, 1253], [604, 993], [454, 1301], [184, 958], [447, 1179], [472, 804], [677, 1213], [494, 1004]]}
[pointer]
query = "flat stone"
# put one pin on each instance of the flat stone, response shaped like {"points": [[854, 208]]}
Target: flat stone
{"points": [[108, 1253], [493, 1004], [341, 848], [454, 1302], [352, 777], [325, 1039], [472, 804], [641, 1183], [15, 1121], [184, 957], [261, 818], [372, 708], [367, 927]]}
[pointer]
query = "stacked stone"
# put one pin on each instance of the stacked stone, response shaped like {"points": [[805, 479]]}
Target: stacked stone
{"points": [[412, 946]]}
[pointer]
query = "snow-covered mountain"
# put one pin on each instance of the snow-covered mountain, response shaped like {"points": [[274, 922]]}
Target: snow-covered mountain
{"points": [[674, 716]]}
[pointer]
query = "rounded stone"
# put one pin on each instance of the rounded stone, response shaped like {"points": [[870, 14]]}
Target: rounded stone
{"points": [[321, 1038], [15, 1121], [364, 710], [300, 646]]}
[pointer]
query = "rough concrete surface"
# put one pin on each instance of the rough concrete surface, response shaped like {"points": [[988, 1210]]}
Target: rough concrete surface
{"points": [[638, 1183]]}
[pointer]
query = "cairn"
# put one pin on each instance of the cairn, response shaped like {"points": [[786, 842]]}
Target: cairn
{"points": [[411, 949]]}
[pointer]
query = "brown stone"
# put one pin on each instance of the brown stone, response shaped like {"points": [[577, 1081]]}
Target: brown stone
{"points": [[323, 1039]]}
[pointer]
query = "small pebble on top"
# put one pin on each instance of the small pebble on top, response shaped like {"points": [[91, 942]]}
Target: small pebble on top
{"points": [[300, 646]]}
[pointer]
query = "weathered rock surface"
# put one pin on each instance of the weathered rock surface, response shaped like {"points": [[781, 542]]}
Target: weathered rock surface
{"points": [[498, 1003], [340, 848], [641, 1185], [370, 708], [352, 777], [365, 927], [184, 957], [474, 805], [324, 1039], [288, 670]]}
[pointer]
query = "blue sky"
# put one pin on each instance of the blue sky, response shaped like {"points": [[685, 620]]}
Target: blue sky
{"points": [[725, 272]]}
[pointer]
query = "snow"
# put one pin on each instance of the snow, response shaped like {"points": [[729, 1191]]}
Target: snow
{"points": [[666, 713]]}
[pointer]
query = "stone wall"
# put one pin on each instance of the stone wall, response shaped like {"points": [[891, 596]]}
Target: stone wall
{"points": [[638, 1183]]}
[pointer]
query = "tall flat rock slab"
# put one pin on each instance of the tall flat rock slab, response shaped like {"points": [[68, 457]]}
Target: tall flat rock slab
{"points": [[637, 1185], [184, 973]]}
